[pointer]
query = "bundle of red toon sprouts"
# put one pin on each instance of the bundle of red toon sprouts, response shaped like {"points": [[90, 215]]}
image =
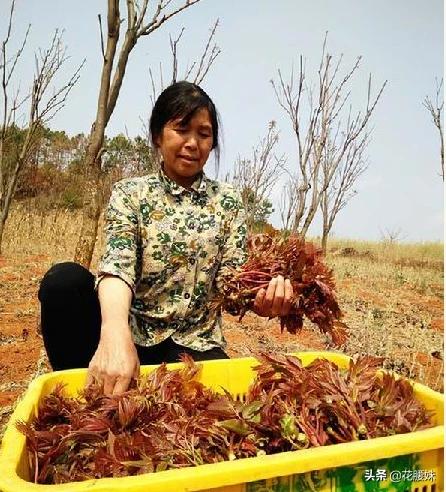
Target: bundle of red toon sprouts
{"points": [[302, 263]]}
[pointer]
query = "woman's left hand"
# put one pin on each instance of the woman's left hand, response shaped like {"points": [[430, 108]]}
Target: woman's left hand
{"points": [[275, 300]]}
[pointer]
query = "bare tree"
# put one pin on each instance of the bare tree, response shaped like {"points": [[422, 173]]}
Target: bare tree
{"points": [[139, 23], [436, 112], [392, 236], [255, 177], [41, 105], [197, 70], [323, 133]]}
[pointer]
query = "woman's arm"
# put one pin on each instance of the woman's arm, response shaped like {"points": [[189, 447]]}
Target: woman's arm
{"points": [[115, 361]]}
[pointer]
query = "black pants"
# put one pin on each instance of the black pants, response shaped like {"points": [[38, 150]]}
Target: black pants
{"points": [[71, 322]]}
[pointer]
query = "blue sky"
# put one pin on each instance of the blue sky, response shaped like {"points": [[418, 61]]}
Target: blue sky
{"points": [[400, 40]]}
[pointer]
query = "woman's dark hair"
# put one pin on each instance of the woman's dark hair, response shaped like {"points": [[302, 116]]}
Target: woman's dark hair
{"points": [[182, 100]]}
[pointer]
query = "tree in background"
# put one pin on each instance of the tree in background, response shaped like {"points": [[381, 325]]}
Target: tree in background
{"points": [[144, 158], [19, 143], [259, 211], [255, 177], [125, 157], [53, 168], [327, 134], [436, 112], [54, 174], [118, 154]]}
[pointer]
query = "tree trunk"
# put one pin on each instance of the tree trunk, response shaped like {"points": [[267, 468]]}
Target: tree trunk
{"points": [[92, 203], [90, 218], [107, 100], [6, 205], [324, 240], [2, 228], [309, 218], [92, 197], [441, 151]]}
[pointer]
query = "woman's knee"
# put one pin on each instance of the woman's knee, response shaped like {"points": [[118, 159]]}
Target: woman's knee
{"points": [[64, 279]]}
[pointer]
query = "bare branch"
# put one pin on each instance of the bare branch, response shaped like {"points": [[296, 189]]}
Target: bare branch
{"points": [[142, 14], [152, 81], [173, 48], [339, 189], [436, 112], [5, 74], [204, 65], [206, 61], [288, 204], [156, 22], [57, 101], [189, 70], [102, 37], [132, 18], [161, 76], [9, 29]]}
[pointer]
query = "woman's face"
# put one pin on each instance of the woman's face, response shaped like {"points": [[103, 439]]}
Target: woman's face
{"points": [[185, 148]]}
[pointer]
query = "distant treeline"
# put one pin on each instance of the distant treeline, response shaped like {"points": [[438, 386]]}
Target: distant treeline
{"points": [[55, 175]]}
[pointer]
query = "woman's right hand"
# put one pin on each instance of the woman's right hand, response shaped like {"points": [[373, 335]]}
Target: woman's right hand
{"points": [[115, 361]]}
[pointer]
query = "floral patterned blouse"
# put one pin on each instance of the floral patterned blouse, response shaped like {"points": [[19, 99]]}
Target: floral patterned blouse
{"points": [[171, 246]]}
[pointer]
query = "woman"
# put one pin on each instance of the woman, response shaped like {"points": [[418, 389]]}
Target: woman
{"points": [[169, 237]]}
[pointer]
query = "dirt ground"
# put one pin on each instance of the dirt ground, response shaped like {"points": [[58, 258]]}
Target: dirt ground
{"points": [[411, 314]]}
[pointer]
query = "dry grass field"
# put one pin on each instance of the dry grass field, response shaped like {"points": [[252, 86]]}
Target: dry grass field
{"points": [[391, 295]]}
